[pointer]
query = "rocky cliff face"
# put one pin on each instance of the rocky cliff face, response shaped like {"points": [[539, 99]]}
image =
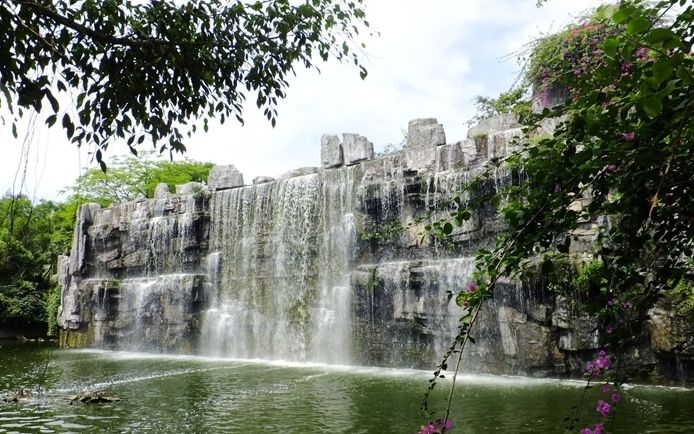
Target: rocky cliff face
{"points": [[325, 265]]}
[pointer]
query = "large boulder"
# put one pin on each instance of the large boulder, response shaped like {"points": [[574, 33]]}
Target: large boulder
{"points": [[224, 178], [425, 132], [356, 148], [331, 154]]}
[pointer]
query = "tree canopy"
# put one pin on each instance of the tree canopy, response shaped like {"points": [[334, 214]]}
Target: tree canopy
{"points": [[26, 257], [130, 178], [137, 70]]}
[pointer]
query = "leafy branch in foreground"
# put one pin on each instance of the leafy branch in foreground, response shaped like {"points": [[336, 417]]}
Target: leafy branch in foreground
{"points": [[150, 70], [618, 165]]}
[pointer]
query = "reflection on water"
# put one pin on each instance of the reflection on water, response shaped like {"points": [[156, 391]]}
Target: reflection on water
{"points": [[183, 394]]}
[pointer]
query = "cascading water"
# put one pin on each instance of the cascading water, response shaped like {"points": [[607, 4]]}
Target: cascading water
{"points": [[284, 251], [331, 267]]}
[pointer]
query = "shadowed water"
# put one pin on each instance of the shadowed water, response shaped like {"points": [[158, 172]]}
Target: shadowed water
{"points": [[179, 394]]}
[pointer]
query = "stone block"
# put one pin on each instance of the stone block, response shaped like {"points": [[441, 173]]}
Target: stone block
{"points": [[161, 191], [262, 179], [356, 148], [224, 178], [425, 132], [331, 154], [302, 171], [494, 124], [420, 158], [503, 142], [189, 188], [453, 156]]}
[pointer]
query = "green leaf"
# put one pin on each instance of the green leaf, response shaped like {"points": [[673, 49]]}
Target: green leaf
{"points": [[447, 228], [638, 25], [54, 102], [363, 72], [659, 35], [50, 120], [652, 105], [622, 14], [68, 125], [662, 70], [605, 12], [610, 46]]}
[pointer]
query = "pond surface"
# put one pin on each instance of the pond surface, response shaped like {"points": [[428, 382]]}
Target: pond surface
{"points": [[181, 394]]}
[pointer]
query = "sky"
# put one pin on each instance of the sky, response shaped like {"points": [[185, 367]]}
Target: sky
{"points": [[430, 60]]}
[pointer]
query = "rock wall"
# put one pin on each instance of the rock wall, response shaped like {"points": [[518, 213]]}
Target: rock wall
{"points": [[324, 264]]}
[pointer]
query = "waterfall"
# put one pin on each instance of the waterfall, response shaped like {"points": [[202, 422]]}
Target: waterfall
{"points": [[282, 286], [328, 265]]}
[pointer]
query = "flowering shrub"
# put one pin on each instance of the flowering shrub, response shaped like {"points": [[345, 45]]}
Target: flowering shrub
{"points": [[559, 59], [623, 150]]}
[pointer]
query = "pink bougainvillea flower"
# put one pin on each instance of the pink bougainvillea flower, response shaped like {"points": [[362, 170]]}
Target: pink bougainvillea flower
{"points": [[603, 408], [438, 427], [629, 136]]}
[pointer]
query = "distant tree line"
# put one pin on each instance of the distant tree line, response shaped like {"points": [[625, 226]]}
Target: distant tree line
{"points": [[33, 234]]}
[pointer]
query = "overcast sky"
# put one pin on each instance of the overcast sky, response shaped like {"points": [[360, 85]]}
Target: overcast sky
{"points": [[430, 60]]}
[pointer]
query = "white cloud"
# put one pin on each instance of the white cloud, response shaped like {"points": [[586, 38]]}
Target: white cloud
{"points": [[431, 59]]}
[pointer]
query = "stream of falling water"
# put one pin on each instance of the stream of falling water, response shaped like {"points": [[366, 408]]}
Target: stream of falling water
{"points": [[279, 274]]}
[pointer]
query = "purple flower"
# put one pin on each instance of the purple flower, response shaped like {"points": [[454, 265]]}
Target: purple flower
{"points": [[427, 429], [471, 287], [610, 302], [612, 168], [586, 431], [603, 408], [625, 68], [599, 429], [616, 397], [602, 362], [641, 53], [610, 329], [605, 388], [557, 187], [438, 427], [629, 136], [627, 305]]}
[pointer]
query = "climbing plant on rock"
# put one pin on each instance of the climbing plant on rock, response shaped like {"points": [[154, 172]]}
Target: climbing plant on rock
{"points": [[618, 165], [137, 70]]}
